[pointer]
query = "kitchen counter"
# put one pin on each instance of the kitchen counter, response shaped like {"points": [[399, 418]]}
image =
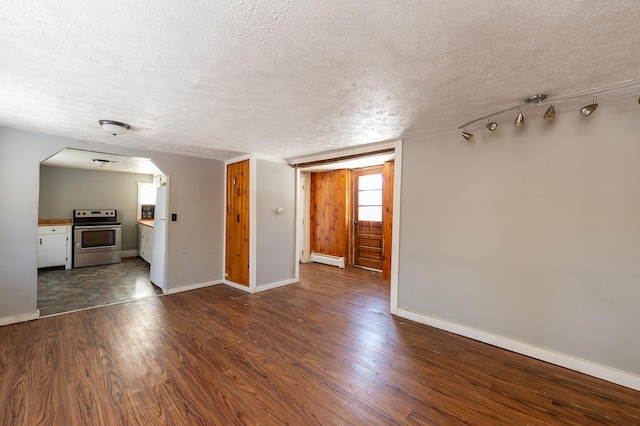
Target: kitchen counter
{"points": [[55, 222], [146, 222]]}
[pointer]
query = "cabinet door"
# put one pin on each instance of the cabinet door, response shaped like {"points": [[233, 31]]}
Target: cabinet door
{"points": [[145, 243], [52, 250]]}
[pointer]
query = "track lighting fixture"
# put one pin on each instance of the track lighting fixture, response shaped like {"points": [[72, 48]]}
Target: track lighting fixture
{"points": [[588, 110], [550, 114], [615, 91], [491, 126], [519, 119]]}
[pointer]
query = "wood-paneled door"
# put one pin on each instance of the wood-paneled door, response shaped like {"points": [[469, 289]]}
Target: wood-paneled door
{"points": [[329, 212], [367, 196], [387, 217], [237, 224]]}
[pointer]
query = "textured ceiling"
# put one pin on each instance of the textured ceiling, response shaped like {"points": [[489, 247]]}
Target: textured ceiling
{"points": [[290, 78], [79, 159]]}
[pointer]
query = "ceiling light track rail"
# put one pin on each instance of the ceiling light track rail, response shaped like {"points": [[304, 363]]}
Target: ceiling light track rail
{"points": [[542, 99]]}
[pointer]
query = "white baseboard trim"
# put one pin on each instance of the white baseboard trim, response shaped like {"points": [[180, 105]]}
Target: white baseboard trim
{"points": [[129, 253], [192, 287], [20, 318], [275, 285], [328, 260], [587, 367]]}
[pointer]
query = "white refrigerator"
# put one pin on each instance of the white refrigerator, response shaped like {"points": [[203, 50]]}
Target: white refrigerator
{"points": [[158, 273]]}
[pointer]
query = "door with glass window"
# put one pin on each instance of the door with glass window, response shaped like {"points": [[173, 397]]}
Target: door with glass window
{"points": [[368, 218]]}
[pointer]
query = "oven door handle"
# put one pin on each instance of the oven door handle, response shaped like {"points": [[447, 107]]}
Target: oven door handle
{"points": [[96, 226]]}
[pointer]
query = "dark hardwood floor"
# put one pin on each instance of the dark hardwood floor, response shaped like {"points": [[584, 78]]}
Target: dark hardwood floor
{"points": [[322, 351]]}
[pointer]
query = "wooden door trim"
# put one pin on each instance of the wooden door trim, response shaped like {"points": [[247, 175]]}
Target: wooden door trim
{"points": [[351, 229]]}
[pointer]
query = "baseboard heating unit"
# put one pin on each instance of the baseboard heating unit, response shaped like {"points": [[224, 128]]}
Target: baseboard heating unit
{"points": [[327, 259]]}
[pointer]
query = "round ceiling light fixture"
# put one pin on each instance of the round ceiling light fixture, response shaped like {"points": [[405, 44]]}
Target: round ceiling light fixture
{"points": [[535, 99], [114, 127], [101, 162]]}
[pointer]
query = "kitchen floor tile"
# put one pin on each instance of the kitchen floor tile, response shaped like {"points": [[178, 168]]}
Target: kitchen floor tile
{"points": [[64, 290]]}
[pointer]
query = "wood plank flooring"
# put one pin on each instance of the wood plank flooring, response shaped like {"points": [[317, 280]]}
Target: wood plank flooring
{"points": [[322, 351]]}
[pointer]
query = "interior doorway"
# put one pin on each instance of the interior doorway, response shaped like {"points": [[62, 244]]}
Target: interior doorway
{"points": [[367, 218], [80, 180], [350, 217]]}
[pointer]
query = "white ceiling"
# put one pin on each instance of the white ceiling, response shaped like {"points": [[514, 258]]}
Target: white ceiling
{"points": [[291, 78]]}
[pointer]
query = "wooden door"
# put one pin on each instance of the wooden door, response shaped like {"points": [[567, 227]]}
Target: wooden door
{"points": [[368, 218], [328, 216], [387, 217], [237, 220]]}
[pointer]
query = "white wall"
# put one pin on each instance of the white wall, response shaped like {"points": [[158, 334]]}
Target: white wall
{"points": [[530, 233], [19, 181], [195, 193], [275, 241]]}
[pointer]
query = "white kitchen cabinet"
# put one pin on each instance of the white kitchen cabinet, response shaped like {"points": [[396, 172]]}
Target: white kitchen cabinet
{"points": [[54, 246], [145, 242]]}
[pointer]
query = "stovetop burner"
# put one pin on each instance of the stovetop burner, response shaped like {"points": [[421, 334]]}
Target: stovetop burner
{"points": [[95, 217]]}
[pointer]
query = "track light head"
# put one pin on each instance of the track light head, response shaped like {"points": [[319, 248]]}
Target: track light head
{"points": [[589, 109], [519, 119], [550, 114], [468, 136], [491, 126]]}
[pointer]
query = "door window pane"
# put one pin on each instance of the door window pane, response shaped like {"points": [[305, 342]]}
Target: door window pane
{"points": [[370, 213], [367, 182], [370, 198]]}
